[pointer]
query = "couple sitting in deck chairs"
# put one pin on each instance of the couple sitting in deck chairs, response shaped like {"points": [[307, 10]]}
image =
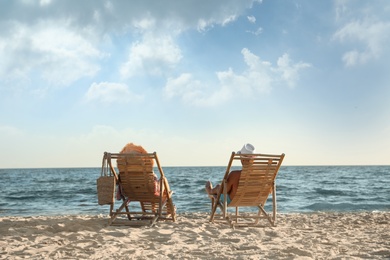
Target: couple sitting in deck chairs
{"points": [[248, 187]]}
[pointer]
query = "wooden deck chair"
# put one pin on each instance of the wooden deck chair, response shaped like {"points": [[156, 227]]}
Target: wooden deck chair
{"points": [[257, 182], [137, 184]]}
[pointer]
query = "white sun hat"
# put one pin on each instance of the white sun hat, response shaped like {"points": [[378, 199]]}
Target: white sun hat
{"points": [[247, 149]]}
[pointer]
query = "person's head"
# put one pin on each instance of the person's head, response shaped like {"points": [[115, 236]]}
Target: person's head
{"points": [[247, 149], [136, 149], [246, 154], [132, 148]]}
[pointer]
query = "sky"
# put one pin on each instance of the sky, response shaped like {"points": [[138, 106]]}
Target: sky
{"points": [[194, 80]]}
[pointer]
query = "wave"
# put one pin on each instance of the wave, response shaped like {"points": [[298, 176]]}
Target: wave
{"points": [[324, 206], [328, 192]]}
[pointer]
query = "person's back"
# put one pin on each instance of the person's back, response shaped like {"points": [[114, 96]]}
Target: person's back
{"points": [[232, 183], [233, 177]]}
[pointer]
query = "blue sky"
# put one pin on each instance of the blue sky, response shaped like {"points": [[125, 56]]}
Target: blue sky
{"points": [[194, 80]]}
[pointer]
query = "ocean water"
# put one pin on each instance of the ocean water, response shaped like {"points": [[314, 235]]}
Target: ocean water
{"points": [[32, 192]]}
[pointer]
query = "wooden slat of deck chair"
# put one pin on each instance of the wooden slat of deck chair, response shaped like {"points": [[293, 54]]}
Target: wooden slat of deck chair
{"points": [[257, 182], [137, 180]]}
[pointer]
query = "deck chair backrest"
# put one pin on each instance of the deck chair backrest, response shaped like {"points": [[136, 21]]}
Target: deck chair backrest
{"points": [[137, 177], [257, 179]]}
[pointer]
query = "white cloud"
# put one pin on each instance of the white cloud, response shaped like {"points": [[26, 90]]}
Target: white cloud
{"points": [[108, 92], [340, 8], [371, 36], [364, 30], [184, 86], [251, 19], [145, 23], [185, 14], [61, 55], [257, 32], [259, 77], [45, 2], [59, 41], [193, 92], [152, 56], [229, 19], [355, 57], [290, 72]]}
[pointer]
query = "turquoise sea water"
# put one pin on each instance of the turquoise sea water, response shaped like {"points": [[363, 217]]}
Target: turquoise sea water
{"points": [[31, 192]]}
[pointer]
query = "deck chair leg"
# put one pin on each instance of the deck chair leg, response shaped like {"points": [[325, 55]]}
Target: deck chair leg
{"points": [[154, 220], [215, 202], [267, 216], [258, 215], [274, 207], [128, 212], [160, 206], [225, 198], [213, 209], [115, 215], [111, 209], [171, 209]]}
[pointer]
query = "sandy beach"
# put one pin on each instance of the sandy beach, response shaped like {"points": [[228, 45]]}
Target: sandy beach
{"points": [[296, 236]]}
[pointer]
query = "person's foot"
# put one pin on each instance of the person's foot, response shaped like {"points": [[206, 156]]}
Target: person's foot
{"points": [[208, 187]]}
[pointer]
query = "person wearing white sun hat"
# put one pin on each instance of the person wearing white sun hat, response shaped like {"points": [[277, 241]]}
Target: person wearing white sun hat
{"points": [[247, 149], [233, 177]]}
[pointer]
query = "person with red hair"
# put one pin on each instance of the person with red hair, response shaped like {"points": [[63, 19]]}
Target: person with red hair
{"points": [[132, 148]]}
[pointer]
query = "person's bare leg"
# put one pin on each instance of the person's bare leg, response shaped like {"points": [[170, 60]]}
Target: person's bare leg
{"points": [[210, 190]]}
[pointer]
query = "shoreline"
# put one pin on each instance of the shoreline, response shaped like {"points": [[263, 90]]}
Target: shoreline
{"points": [[329, 235]]}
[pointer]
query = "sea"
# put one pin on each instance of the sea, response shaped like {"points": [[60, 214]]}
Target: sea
{"points": [[299, 189]]}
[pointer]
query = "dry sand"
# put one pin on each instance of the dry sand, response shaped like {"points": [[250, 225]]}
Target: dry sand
{"points": [[297, 236]]}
